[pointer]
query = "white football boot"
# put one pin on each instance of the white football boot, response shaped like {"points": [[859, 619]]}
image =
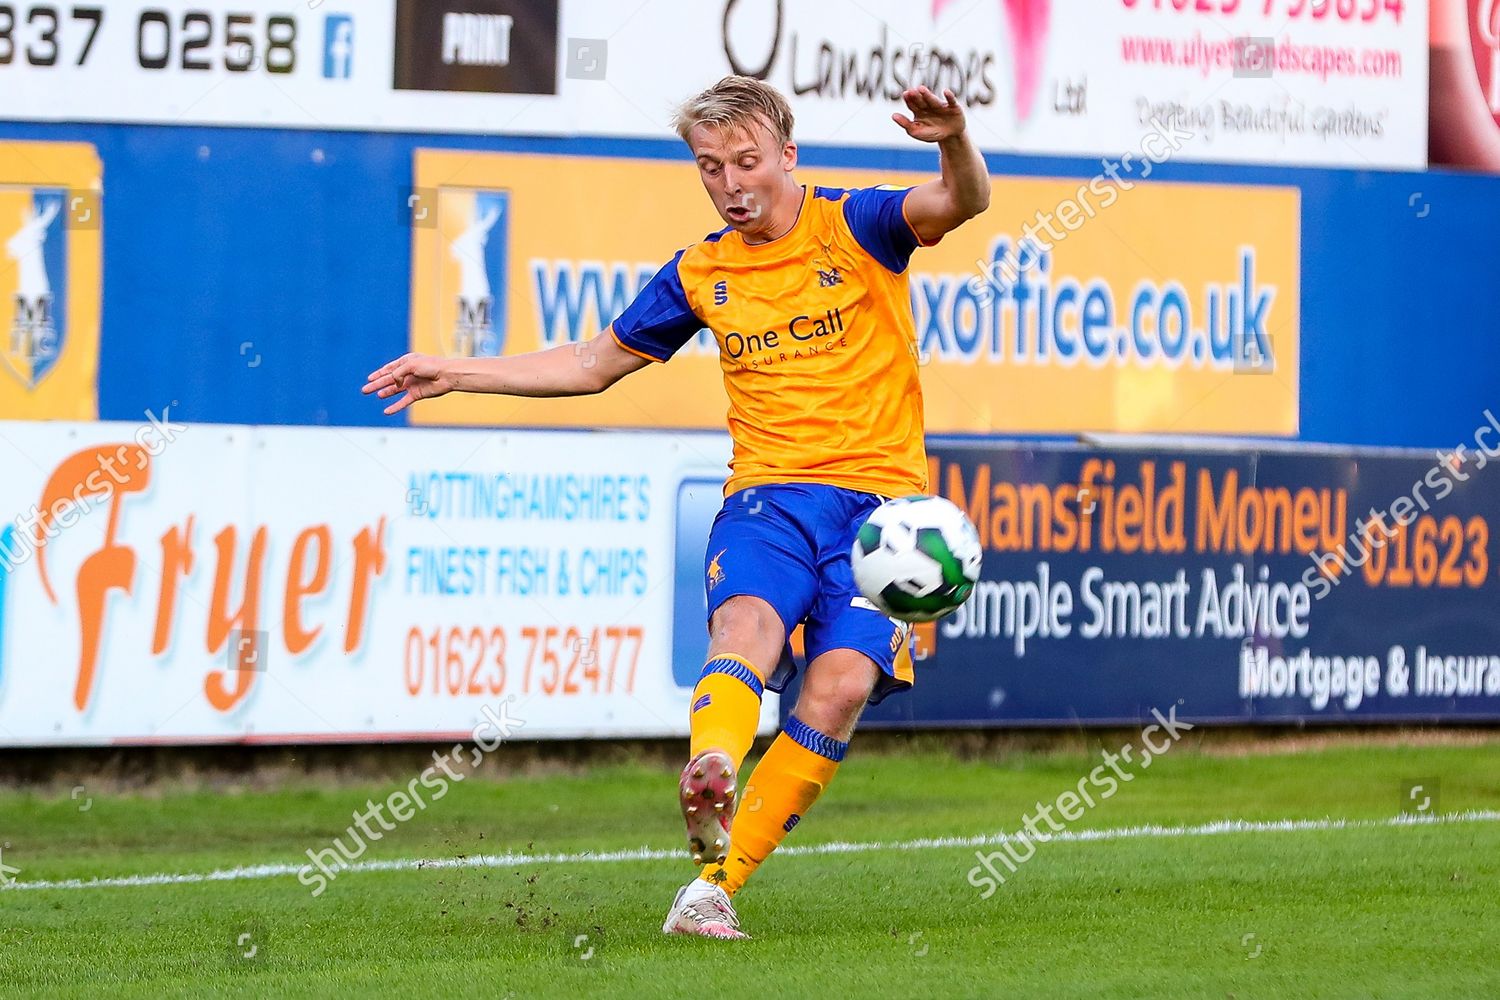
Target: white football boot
{"points": [[704, 910]]}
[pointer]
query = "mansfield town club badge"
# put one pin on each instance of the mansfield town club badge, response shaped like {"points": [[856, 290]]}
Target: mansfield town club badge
{"points": [[34, 288]]}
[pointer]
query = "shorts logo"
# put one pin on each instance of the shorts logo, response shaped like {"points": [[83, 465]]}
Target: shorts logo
{"points": [[792, 821], [903, 629], [721, 293], [716, 571]]}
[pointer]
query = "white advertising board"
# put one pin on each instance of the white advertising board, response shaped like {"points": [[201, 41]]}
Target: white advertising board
{"points": [[1330, 82], [232, 584]]}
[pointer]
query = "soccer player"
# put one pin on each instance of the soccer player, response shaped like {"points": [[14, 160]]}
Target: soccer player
{"points": [[805, 290]]}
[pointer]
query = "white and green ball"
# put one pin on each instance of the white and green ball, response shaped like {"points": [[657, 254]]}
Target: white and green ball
{"points": [[917, 558]]}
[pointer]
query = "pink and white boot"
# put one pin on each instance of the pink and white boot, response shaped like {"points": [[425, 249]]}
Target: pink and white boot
{"points": [[703, 910], [706, 793]]}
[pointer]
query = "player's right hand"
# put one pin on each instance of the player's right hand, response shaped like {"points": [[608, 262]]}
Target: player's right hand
{"points": [[420, 376]]}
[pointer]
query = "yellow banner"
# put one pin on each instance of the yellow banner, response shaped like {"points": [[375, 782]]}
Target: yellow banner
{"points": [[51, 228], [1067, 307]]}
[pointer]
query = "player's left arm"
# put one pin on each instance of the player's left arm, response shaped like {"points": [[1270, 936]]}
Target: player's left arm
{"points": [[963, 190]]}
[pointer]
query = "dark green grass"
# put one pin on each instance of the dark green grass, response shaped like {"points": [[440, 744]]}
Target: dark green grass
{"points": [[1366, 912]]}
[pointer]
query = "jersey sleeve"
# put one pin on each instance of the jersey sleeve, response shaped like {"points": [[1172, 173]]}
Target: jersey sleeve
{"points": [[877, 219], [659, 320]]}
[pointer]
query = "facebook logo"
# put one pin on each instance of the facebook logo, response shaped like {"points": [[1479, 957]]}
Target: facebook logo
{"points": [[338, 47]]}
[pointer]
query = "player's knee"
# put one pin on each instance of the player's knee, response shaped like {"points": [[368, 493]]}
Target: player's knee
{"points": [[748, 626], [842, 677]]}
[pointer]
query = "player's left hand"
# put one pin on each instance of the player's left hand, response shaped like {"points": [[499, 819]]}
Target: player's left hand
{"points": [[933, 118]]}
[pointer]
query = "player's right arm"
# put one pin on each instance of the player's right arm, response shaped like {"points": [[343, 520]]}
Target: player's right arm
{"points": [[656, 323], [580, 369]]}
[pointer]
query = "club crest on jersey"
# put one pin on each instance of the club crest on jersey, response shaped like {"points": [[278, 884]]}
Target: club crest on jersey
{"points": [[721, 293], [34, 288], [830, 277]]}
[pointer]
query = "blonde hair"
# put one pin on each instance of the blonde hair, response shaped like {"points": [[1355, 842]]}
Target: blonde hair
{"points": [[733, 104]]}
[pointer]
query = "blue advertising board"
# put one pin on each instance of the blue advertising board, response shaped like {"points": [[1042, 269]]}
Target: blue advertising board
{"points": [[1238, 586]]}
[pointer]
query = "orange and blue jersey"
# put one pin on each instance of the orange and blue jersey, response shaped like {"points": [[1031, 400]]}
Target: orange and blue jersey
{"points": [[816, 341]]}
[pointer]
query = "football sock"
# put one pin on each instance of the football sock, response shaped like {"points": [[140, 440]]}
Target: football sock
{"points": [[726, 707], [784, 785]]}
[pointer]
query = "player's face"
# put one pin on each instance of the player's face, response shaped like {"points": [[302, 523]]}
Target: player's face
{"points": [[747, 173]]}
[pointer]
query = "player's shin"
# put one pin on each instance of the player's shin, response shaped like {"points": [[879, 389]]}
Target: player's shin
{"points": [[783, 786], [726, 707]]}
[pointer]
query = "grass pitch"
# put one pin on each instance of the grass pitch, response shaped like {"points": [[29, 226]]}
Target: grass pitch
{"points": [[1366, 909]]}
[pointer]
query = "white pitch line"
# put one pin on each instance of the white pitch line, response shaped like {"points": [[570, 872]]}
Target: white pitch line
{"points": [[836, 847]]}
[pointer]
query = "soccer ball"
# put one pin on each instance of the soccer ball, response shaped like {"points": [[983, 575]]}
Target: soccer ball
{"points": [[917, 558]]}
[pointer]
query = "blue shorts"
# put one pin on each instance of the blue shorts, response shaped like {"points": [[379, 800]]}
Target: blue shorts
{"points": [[789, 545]]}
